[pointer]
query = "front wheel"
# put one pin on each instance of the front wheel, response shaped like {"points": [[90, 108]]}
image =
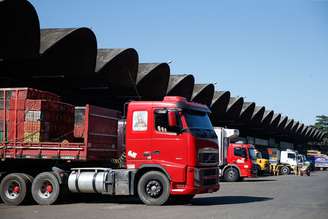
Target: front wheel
{"points": [[154, 188], [45, 188], [285, 170], [231, 174]]}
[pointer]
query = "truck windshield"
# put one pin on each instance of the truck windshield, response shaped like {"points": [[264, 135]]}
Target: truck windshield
{"points": [[199, 124], [252, 154]]}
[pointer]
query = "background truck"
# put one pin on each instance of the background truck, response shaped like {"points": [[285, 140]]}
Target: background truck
{"points": [[236, 160], [157, 150], [317, 159], [282, 162], [262, 163]]}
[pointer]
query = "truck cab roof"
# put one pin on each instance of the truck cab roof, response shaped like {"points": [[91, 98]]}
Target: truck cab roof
{"points": [[173, 102]]}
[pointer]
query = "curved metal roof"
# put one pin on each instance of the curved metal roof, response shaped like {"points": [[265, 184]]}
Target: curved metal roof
{"points": [[203, 93], [20, 30], [258, 114], [318, 135], [275, 120], [300, 129], [152, 80], [308, 132], [304, 130], [282, 122], [234, 107], [247, 110], [311, 134], [315, 134], [119, 68], [324, 134], [181, 85], [219, 105], [294, 127], [267, 117], [70, 52], [289, 124]]}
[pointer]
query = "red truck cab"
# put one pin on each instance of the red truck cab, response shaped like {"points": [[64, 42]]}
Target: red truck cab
{"points": [[176, 137], [241, 161]]}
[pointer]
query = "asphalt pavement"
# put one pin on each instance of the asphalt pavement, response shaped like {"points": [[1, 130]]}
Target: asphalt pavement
{"points": [[276, 197]]}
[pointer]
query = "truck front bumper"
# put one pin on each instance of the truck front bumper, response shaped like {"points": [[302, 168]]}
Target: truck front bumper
{"points": [[199, 180]]}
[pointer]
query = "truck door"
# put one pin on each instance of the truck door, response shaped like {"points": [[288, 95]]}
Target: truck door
{"points": [[138, 136], [167, 144]]}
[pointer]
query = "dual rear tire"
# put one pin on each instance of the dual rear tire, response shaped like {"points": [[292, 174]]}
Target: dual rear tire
{"points": [[20, 188], [15, 188]]}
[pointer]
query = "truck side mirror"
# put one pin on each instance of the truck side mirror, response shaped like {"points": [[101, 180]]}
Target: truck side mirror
{"points": [[172, 119]]}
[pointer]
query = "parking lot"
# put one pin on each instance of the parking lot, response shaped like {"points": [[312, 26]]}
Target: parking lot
{"points": [[266, 197]]}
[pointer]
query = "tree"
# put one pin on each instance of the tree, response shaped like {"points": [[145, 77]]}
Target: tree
{"points": [[322, 124]]}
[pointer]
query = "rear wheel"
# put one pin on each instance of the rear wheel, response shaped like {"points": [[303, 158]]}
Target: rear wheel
{"points": [[45, 188], [15, 188], [284, 170], [154, 188], [231, 174]]}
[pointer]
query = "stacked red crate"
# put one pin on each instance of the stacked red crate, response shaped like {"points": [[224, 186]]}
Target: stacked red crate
{"points": [[31, 115], [48, 121]]}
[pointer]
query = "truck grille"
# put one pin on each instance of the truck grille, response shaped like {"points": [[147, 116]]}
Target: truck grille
{"points": [[208, 158], [208, 176]]}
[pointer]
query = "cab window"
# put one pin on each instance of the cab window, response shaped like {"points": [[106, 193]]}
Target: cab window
{"points": [[291, 156], [240, 152], [162, 123]]}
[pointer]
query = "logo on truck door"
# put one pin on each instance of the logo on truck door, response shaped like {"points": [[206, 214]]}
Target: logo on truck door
{"points": [[140, 120]]}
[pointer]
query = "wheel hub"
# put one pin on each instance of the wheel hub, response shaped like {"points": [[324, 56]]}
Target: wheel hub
{"points": [[154, 189], [13, 190], [46, 190]]}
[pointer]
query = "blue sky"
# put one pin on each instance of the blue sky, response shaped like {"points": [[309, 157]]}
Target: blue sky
{"points": [[274, 53]]}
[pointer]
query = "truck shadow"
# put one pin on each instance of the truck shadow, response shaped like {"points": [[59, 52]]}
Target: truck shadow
{"points": [[216, 200], [224, 200], [259, 180]]}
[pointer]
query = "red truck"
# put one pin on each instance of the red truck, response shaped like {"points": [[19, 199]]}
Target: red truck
{"points": [[156, 150], [236, 160]]}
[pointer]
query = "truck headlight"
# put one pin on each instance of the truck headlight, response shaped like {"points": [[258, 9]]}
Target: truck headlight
{"points": [[197, 177]]}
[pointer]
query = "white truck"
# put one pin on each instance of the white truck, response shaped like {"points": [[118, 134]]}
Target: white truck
{"points": [[283, 162]]}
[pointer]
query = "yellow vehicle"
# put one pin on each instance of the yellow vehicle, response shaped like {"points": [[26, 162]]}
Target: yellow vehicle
{"points": [[262, 163]]}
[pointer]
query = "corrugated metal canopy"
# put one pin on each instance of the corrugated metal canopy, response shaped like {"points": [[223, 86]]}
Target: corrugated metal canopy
{"points": [[219, 105], [68, 52], [295, 126], [247, 111], [203, 93], [275, 120], [267, 117], [282, 122], [181, 85], [152, 80], [258, 114], [119, 68], [234, 108], [20, 30], [289, 124]]}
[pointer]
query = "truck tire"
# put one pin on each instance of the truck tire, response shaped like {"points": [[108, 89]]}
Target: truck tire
{"points": [[231, 174], [15, 188], [45, 188], [284, 170], [154, 188]]}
